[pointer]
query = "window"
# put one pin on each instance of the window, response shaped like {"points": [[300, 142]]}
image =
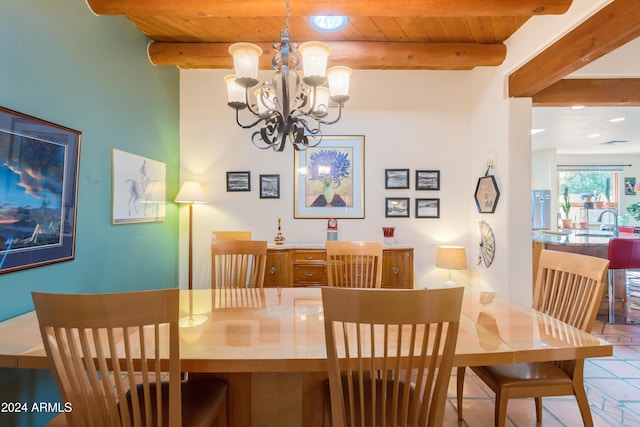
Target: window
{"points": [[588, 189]]}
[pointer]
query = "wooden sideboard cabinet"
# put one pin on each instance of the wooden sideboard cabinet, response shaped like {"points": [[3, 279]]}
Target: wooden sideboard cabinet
{"points": [[289, 266]]}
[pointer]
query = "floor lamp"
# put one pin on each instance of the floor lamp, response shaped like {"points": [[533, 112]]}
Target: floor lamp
{"points": [[451, 258], [190, 193]]}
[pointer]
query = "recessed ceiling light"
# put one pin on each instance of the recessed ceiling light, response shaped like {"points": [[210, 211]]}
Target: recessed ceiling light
{"points": [[578, 107], [328, 23], [617, 119], [535, 131], [594, 135]]}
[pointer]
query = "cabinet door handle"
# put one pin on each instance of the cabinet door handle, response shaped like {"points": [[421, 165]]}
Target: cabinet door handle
{"points": [[308, 256], [307, 274], [273, 270], [395, 270]]}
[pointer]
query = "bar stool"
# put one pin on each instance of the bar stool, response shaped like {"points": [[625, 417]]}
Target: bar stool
{"points": [[623, 254]]}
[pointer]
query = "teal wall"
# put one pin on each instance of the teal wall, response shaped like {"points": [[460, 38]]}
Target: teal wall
{"points": [[61, 63]]}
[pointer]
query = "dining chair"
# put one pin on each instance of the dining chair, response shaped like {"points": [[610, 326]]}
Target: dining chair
{"points": [[389, 354], [115, 359], [352, 264], [568, 288], [230, 235], [238, 263]]}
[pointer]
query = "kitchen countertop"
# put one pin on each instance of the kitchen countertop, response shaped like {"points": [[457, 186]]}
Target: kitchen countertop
{"points": [[578, 237]]}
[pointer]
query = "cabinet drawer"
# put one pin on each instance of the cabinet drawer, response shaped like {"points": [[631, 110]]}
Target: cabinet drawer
{"points": [[309, 255], [309, 275]]}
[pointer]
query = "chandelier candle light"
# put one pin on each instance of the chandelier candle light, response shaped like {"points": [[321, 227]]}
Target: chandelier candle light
{"points": [[288, 107]]}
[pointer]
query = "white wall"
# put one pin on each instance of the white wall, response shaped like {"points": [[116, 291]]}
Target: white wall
{"points": [[451, 121], [500, 130], [414, 120]]}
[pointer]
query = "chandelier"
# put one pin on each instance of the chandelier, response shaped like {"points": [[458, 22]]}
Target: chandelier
{"points": [[289, 107]]}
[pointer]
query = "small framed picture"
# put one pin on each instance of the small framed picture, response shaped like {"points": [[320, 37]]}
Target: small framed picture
{"points": [[269, 186], [396, 179], [239, 181], [427, 208], [396, 207], [428, 180], [487, 194], [629, 186]]}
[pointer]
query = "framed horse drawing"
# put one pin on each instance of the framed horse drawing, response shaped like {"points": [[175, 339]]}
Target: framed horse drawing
{"points": [[139, 188]]}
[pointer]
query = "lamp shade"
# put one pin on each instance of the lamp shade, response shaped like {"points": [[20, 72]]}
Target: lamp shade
{"points": [[245, 63], [265, 99], [314, 62], [235, 92], [339, 77], [321, 100], [190, 192], [451, 257]]}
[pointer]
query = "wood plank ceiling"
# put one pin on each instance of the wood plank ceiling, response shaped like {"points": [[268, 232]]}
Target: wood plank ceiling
{"points": [[381, 34]]}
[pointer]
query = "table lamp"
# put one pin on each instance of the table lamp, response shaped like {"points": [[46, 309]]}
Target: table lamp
{"points": [[451, 258], [190, 193]]}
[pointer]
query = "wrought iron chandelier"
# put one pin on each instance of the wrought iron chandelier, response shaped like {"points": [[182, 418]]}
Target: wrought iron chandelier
{"points": [[288, 107]]}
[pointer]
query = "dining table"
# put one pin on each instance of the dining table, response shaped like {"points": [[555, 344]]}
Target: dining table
{"points": [[269, 344]]}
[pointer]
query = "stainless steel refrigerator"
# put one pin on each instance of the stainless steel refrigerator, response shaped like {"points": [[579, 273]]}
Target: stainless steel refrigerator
{"points": [[540, 209]]}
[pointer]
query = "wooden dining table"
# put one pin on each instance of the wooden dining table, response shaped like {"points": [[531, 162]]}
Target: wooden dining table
{"points": [[269, 345]]}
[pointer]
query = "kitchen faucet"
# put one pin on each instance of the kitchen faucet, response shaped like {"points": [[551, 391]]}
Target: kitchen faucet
{"points": [[615, 221]]}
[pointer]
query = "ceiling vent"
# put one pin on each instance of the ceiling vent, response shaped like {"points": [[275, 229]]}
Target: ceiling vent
{"points": [[614, 141]]}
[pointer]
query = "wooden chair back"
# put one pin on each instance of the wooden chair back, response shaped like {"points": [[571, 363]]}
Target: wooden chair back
{"points": [[238, 263], [84, 335], [354, 264], [569, 287], [404, 380], [230, 235]]}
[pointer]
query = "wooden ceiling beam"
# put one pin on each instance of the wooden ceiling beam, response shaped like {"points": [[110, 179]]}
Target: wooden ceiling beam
{"points": [[608, 29], [590, 92], [357, 55], [430, 8]]}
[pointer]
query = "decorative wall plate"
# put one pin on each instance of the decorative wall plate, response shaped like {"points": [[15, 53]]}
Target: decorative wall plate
{"points": [[487, 194], [487, 244]]}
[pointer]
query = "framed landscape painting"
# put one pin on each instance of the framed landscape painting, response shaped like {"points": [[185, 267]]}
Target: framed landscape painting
{"points": [[427, 180], [238, 181], [39, 164], [396, 179], [427, 208], [329, 179], [396, 207], [269, 186]]}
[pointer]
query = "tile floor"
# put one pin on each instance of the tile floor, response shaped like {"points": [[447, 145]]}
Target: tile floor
{"points": [[612, 385]]}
